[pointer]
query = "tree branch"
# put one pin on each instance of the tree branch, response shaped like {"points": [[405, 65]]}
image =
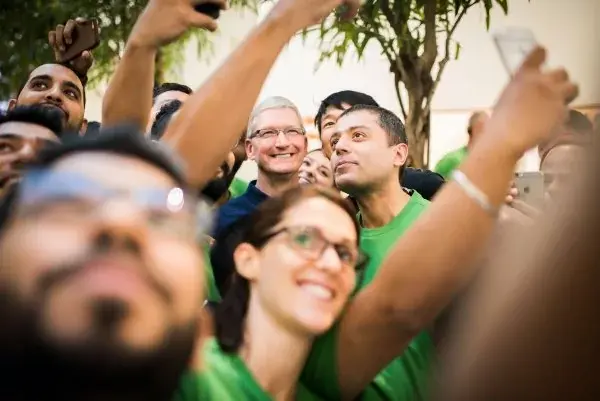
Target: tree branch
{"points": [[399, 96], [389, 15], [446, 58], [430, 52]]}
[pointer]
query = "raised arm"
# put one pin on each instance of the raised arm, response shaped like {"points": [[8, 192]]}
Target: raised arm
{"points": [[432, 261], [533, 316], [210, 122], [128, 98]]}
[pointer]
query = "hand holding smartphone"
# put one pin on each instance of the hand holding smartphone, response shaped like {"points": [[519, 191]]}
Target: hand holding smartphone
{"points": [[530, 187], [74, 38], [211, 9]]}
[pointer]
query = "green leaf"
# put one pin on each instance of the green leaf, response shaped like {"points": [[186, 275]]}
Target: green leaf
{"points": [[26, 23], [504, 5], [457, 48]]}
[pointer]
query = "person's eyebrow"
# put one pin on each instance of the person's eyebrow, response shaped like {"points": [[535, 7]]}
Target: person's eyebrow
{"points": [[10, 136], [353, 128], [72, 85], [44, 77]]}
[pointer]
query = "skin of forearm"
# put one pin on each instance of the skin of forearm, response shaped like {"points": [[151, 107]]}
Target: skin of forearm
{"points": [[210, 122], [532, 317], [128, 98], [424, 270]]}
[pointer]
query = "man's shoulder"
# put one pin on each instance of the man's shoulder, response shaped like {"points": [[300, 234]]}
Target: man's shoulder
{"points": [[425, 182], [233, 210]]}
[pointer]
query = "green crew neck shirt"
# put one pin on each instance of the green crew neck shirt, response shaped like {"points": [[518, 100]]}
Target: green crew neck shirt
{"points": [[405, 378], [212, 292], [226, 377], [450, 162]]}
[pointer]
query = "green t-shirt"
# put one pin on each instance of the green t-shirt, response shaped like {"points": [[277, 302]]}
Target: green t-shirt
{"points": [[405, 378], [226, 378], [450, 162], [212, 292], [237, 187]]}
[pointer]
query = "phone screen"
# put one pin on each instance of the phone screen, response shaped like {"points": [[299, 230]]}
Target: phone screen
{"points": [[514, 44]]}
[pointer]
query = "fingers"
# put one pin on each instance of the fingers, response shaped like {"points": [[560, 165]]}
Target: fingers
{"points": [[59, 38], [68, 32], [200, 20], [52, 41], [513, 192], [203, 20], [221, 3], [568, 90], [525, 208], [534, 59]]}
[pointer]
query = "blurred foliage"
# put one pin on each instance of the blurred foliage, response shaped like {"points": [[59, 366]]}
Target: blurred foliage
{"points": [[416, 38], [25, 25]]}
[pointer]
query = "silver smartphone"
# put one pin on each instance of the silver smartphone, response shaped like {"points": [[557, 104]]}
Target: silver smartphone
{"points": [[530, 185], [514, 44]]}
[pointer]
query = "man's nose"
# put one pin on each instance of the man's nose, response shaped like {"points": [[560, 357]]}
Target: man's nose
{"points": [[54, 94], [120, 218], [282, 140], [341, 147]]}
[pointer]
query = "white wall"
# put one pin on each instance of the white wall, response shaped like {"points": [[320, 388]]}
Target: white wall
{"points": [[569, 29]]}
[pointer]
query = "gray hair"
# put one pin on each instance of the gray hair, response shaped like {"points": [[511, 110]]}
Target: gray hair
{"points": [[273, 102]]}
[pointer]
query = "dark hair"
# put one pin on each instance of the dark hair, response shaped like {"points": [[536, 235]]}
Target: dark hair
{"points": [[82, 78], [230, 314], [388, 121], [35, 114], [93, 128], [122, 140], [315, 150], [170, 86], [162, 119], [338, 99], [579, 123]]}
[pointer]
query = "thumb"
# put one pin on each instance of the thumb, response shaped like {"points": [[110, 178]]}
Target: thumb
{"points": [[199, 20], [534, 59]]}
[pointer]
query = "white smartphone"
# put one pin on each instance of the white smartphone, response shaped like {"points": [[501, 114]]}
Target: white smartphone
{"points": [[514, 44]]}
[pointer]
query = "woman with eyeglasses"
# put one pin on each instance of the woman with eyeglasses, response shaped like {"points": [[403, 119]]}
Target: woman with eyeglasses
{"points": [[295, 270]]}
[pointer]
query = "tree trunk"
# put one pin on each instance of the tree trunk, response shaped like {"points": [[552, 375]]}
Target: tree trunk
{"points": [[417, 131]]}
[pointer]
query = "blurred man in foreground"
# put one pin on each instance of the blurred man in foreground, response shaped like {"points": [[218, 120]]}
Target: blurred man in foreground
{"points": [[101, 279]]}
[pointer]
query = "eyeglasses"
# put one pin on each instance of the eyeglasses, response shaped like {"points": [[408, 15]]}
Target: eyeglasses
{"points": [[13, 143], [68, 197], [311, 243], [272, 133]]}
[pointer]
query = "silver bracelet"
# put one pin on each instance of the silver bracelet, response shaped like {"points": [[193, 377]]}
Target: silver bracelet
{"points": [[474, 192]]}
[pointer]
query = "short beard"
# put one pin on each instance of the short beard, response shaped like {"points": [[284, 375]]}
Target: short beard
{"points": [[98, 370]]}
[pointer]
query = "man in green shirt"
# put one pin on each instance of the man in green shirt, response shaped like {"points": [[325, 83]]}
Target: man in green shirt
{"points": [[369, 152], [452, 160]]}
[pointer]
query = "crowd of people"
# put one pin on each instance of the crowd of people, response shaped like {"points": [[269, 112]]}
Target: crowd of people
{"points": [[136, 266]]}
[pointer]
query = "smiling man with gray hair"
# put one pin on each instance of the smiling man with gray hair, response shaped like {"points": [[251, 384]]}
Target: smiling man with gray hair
{"points": [[276, 141]]}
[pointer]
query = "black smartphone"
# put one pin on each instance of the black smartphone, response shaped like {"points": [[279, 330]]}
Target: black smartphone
{"points": [[86, 36], [210, 9]]}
